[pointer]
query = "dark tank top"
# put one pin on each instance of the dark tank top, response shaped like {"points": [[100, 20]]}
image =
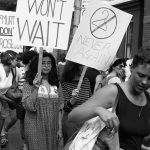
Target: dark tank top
{"points": [[134, 121]]}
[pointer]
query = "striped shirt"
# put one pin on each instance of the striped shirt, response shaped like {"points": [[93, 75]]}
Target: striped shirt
{"points": [[84, 93]]}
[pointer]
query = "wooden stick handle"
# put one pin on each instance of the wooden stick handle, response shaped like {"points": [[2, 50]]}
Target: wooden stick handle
{"points": [[81, 78], [40, 63]]}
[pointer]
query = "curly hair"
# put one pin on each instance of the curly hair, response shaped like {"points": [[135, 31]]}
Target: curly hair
{"points": [[33, 69], [7, 57], [71, 70], [142, 57], [116, 63]]}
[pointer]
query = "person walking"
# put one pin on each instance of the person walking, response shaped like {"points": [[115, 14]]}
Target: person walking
{"points": [[42, 101], [8, 63], [73, 97], [133, 109]]}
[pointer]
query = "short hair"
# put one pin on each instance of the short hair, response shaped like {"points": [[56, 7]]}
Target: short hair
{"points": [[142, 57], [7, 57], [116, 63]]}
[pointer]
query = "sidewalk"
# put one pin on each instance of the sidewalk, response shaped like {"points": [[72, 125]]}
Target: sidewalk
{"points": [[15, 142]]}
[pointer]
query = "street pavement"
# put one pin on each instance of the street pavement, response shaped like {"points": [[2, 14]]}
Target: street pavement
{"points": [[15, 142]]}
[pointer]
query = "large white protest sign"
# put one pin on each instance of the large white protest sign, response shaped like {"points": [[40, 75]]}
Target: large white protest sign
{"points": [[110, 2], [44, 23], [7, 20], [98, 36]]}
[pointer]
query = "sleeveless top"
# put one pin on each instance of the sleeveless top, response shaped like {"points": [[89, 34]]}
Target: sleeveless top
{"points": [[134, 121]]}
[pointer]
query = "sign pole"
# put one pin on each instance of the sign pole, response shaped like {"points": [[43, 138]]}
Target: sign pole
{"points": [[40, 63], [81, 78]]}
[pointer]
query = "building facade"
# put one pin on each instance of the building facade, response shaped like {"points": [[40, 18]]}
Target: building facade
{"points": [[146, 22], [138, 33]]}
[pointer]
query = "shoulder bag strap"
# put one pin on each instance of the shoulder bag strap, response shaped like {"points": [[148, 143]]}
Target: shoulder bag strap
{"points": [[14, 74], [116, 100]]}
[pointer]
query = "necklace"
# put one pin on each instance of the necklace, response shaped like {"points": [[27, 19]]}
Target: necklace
{"points": [[140, 111]]}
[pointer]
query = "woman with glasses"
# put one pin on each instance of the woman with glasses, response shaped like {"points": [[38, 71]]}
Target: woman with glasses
{"points": [[41, 101]]}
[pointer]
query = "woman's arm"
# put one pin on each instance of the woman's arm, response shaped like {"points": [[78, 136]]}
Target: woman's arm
{"points": [[97, 82], [60, 115], [29, 97], [97, 105], [3, 97]]}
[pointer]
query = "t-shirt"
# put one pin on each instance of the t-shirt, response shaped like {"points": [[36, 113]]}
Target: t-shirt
{"points": [[20, 75], [5, 82]]}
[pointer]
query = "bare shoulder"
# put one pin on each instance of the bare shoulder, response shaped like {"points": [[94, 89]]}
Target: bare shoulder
{"points": [[106, 96]]}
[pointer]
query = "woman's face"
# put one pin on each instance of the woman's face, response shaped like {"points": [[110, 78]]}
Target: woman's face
{"points": [[120, 70], [14, 63], [46, 65], [140, 77]]}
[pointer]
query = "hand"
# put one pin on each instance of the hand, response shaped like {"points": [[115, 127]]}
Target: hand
{"points": [[109, 118], [59, 135], [121, 73], [36, 81], [75, 92]]}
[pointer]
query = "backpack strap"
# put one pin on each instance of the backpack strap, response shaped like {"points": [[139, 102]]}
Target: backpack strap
{"points": [[116, 100]]}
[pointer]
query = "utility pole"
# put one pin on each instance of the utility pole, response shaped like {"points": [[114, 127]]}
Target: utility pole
{"points": [[75, 19]]}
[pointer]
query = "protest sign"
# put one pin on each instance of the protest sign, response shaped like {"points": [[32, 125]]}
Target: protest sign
{"points": [[7, 20], [43, 23], [98, 36], [110, 2]]}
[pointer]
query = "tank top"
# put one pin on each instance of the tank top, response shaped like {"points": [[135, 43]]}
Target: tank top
{"points": [[134, 121]]}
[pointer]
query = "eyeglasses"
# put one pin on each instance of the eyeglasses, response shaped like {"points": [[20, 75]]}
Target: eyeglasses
{"points": [[46, 64]]}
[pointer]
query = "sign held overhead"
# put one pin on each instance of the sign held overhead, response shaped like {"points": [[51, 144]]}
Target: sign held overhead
{"points": [[44, 23], [99, 35]]}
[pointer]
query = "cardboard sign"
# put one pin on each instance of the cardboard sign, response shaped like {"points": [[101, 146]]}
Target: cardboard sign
{"points": [[43, 23], [7, 20], [98, 36], [110, 2]]}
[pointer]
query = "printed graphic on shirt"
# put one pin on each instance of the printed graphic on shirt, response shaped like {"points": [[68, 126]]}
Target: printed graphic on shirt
{"points": [[50, 92]]}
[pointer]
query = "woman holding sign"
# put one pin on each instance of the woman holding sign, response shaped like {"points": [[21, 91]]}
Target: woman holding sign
{"points": [[42, 101], [133, 107], [72, 96]]}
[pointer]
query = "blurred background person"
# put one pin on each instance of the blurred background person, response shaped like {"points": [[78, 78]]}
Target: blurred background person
{"points": [[24, 62], [73, 97], [116, 74], [61, 65], [8, 63]]}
